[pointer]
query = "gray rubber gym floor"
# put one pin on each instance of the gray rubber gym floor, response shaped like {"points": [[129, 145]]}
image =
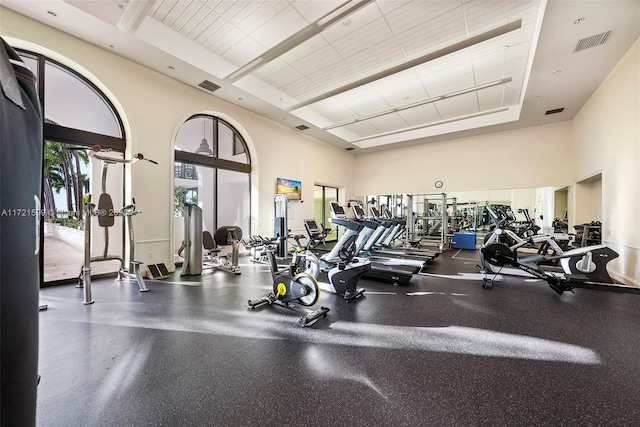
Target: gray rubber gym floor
{"points": [[441, 351]]}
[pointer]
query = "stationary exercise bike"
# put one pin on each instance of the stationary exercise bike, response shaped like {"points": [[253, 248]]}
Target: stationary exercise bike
{"points": [[106, 214], [289, 290]]}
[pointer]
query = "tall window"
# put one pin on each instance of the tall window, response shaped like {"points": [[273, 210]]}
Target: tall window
{"points": [[212, 170], [77, 115], [323, 196]]}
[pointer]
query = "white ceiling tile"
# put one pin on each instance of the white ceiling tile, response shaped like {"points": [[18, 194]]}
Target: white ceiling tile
{"points": [[364, 103], [242, 15], [154, 8], [163, 9], [189, 14], [224, 37], [362, 129], [230, 8], [270, 68], [312, 10], [491, 97], [203, 29], [283, 76], [175, 13], [279, 27], [454, 84], [261, 15], [457, 106], [308, 48], [325, 77], [447, 29], [337, 113], [403, 92], [420, 115], [388, 122], [198, 18], [324, 58], [220, 6], [352, 24], [388, 6], [365, 38], [377, 58], [421, 14], [243, 51], [297, 88]]}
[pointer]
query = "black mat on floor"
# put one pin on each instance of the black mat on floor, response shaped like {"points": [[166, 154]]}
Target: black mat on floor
{"points": [[441, 351]]}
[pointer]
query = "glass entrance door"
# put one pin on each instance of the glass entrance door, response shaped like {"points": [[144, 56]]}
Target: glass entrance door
{"points": [[323, 196]]}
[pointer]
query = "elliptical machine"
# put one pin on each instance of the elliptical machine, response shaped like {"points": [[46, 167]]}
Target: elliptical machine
{"points": [[548, 247], [289, 290], [580, 266], [106, 218]]}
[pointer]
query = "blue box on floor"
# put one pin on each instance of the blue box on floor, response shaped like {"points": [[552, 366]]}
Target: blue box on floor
{"points": [[464, 241]]}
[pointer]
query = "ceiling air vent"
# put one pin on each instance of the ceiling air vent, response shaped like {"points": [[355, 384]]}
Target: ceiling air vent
{"points": [[593, 41], [349, 148], [210, 86], [556, 111], [302, 127]]}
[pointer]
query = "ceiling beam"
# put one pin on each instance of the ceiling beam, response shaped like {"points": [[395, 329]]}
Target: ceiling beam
{"points": [[133, 15]]}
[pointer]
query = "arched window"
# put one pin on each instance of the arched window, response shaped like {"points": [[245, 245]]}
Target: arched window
{"points": [[213, 170], [77, 115]]}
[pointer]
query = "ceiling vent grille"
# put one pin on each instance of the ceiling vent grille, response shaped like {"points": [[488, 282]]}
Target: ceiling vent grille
{"points": [[556, 111], [349, 148], [302, 127], [593, 41], [210, 86]]}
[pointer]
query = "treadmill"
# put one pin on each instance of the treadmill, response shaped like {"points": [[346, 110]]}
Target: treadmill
{"points": [[396, 273], [373, 245], [382, 246], [367, 239]]}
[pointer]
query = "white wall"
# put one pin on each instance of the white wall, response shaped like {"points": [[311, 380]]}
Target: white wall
{"points": [[154, 107], [526, 158], [606, 140]]}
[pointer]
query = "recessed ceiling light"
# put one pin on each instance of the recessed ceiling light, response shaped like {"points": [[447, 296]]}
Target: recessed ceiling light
{"points": [[506, 46], [543, 102], [536, 121], [171, 67], [240, 99], [346, 22], [111, 46], [52, 13], [405, 98], [579, 20], [557, 71]]}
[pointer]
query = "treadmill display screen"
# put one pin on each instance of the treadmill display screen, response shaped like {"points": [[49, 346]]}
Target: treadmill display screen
{"points": [[311, 225], [375, 212], [358, 210], [337, 209]]}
